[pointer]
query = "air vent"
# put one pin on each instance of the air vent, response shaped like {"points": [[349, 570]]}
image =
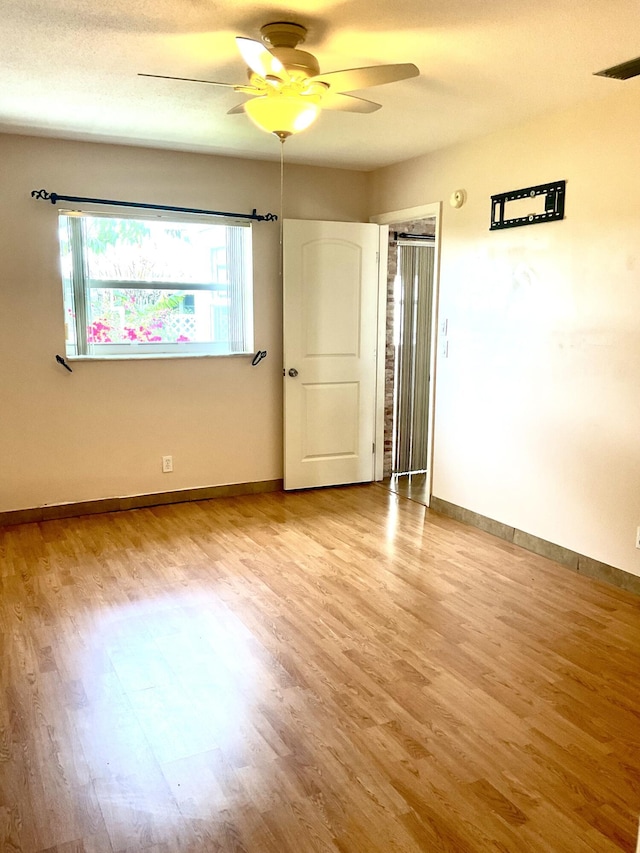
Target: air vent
{"points": [[624, 71]]}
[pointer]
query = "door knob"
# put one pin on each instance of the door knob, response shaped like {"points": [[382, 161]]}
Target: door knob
{"points": [[293, 372]]}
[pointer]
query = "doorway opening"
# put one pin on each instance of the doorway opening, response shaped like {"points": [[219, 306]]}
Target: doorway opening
{"points": [[409, 357]]}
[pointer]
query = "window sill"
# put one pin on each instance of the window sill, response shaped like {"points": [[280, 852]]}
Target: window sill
{"points": [[157, 357]]}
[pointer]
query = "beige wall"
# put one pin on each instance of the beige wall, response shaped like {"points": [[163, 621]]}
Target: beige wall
{"points": [[538, 403], [100, 432]]}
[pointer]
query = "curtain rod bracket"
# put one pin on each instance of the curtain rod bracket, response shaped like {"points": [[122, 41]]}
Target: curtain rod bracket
{"points": [[61, 361], [54, 198]]}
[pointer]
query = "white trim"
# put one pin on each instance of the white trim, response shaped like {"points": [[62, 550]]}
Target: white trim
{"points": [[433, 361], [159, 355], [381, 346], [146, 214], [423, 211], [150, 284], [152, 349]]}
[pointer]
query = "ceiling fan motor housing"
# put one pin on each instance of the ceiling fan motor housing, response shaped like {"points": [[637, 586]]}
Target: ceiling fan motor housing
{"points": [[283, 37], [298, 63], [283, 34]]}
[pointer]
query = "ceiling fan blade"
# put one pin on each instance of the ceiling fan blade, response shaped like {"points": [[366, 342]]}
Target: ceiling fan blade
{"points": [[239, 108], [260, 60], [348, 103], [361, 78], [188, 80], [238, 87]]}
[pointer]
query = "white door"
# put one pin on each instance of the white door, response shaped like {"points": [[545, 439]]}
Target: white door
{"points": [[330, 333]]}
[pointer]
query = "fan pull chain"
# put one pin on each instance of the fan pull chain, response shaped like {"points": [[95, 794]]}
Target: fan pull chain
{"points": [[281, 202]]}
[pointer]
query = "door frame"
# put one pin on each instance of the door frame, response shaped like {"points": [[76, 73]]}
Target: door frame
{"points": [[430, 211]]}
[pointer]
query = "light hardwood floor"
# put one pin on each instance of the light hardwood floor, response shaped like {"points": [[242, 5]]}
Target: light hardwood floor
{"points": [[336, 671], [414, 486]]}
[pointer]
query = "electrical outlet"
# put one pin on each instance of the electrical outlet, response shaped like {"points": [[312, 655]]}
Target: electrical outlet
{"points": [[167, 464], [638, 538]]}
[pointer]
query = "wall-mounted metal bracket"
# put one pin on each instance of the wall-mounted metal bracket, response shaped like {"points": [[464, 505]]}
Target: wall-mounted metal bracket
{"points": [[61, 361], [553, 206]]}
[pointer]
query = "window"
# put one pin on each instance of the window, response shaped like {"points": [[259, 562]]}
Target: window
{"points": [[150, 286]]}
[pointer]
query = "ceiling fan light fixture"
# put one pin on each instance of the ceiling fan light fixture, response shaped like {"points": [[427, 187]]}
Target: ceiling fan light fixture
{"points": [[281, 114]]}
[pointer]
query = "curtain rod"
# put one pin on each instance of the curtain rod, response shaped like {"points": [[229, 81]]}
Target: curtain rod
{"points": [[404, 236], [54, 198]]}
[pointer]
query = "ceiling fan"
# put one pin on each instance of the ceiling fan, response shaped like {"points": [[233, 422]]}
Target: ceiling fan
{"points": [[286, 87]]}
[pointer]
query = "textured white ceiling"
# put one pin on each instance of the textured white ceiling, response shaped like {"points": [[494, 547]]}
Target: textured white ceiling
{"points": [[69, 69]]}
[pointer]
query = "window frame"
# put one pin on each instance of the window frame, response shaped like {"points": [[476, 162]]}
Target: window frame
{"points": [[79, 285]]}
